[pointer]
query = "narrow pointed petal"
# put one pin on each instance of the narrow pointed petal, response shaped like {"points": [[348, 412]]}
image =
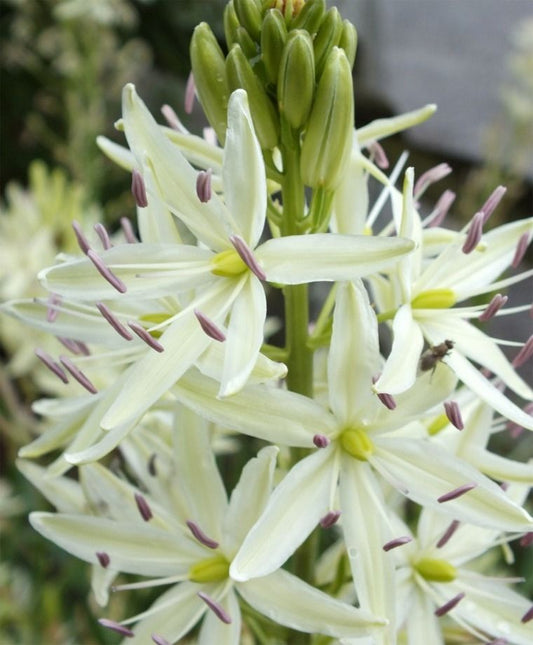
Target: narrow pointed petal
{"points": [[117, 153], [293, 511], [101, 581], [64, 493], [156, 223], [381, 128], [291, 602], [422, 624]]}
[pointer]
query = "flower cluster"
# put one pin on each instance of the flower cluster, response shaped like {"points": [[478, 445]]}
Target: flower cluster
{"points": [[374, 484]]}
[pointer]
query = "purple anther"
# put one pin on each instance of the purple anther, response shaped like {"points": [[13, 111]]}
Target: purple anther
{"points": [[493, 200], [171, 118], [521, 249], [247, 256], [77, 374], [201, 536], [215, 607], [454, 414], [102, 233], [387, 400], [448, 606], [146, 336], [399, 541], [329, 519], [151, 465], [116, 627], [498, 641], [83, 242], [75, 346], [160, 640], [378, 154], [210, 136], [448, 533], [52, 311], [526, 540], [138, 189], [103, 559], [525, 353], [430, 177], [473, 237], [527, 616], [190, 91], [493, 307], [456, 492], [105, 272], [203, 185], [320, 441], [504, 486], [144, 507], [113, 321], [51, 364], [442, 207], [127, 229], [209, 327]]}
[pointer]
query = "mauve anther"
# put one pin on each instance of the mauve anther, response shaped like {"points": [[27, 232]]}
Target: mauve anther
{"points": [[526, 540], [113, 321], [102, 233], [77, 374], [138, 189], [330, 519], [448, 533], [144, 507], [497, 302], [475, 232], [399, 541], [54, 367], [103, 559], [83, 242], [215, 607], [454, 414], [378, 155], [52, 311], [521, 249], [116, 627], [456, 492], [146, 336], [127, 229], [151, 465], [190, 91], [430, 177], [320, 441], [171, 118], [203, 185], [247, 256], [442, 208], [527, 616], [493, 200], [201, 536], [525, 353], [448, 606], [160, 640], [209, 327], [105, 272]]}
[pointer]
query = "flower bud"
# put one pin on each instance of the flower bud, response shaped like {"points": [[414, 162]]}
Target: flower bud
{"points": [[208, 67], [348, 41], [273, 38], [310, 17], [249, 15], [328, 36], [242, 38], [231, 24], [328, 139], [240, 74], [296, 81]]}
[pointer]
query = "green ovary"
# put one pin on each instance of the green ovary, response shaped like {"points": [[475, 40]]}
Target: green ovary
{"points": [[357, 443], [434, 299], [438, 424], [435, 570], [213, 569], [228, 264]]}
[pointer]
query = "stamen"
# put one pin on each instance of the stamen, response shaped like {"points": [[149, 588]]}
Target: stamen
{"points": [[320, 441], [474, 234], [430, 177], [144, 335], [457, 492], [105, 272], [329, 519], [151, 465], [116, 627], [521, 249], [498, 641], [209, 327], [203, 185], [159, 640], [448, 533], [454, 414], [103, 235], [378, 154], [171, 118], [83, 242], [103, 559], [493, 307], [493, 200], [52, 311], [190, 91], [387, 400], [143, 506], [399, 541], [201, 536], [210, 136], [215, 607], [138, 189], [527, 616], [442, 207], [526, 540], [448, 606], [51, 364], [78, 374], [127, 229], [525, 353], [113, 321], [74, 346], [247, 256]]}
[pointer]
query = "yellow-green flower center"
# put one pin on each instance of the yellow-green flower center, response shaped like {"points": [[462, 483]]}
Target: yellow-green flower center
{"points": [[228, 264], [357, 443], [438, 424], [156, 319], [436, 570], [434, 299], [213, 569]]}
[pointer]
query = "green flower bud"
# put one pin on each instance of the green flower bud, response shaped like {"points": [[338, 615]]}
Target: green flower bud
{"points": [[296, 81], [248, 46], [328, 138], [249, 15], [310, 17], [208, 67], [231, 24], [328, 36], [348, 41], [273, 38], [239, 73]]}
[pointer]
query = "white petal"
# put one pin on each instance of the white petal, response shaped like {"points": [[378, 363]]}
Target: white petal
{"points": [[63, 492], [351, 198], [119, 154], [215, 631], [101, 581], [156, 223], [293, 511], [380, 128], [422, 624]]}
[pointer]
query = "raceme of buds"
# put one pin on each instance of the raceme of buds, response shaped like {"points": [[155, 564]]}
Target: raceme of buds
{"points": [[249, 15], [273, 38], [310, 17], [296, 80], [348, 41], [328, 36]]}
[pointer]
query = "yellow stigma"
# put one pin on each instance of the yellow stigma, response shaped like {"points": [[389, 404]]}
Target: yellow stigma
{"points": [[228, 264], [436, 570], [213, 569], [357, 444], [434, 299], [438, 424]]}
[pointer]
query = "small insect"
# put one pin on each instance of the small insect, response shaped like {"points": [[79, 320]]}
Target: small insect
{"points": [[430, 358]]}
